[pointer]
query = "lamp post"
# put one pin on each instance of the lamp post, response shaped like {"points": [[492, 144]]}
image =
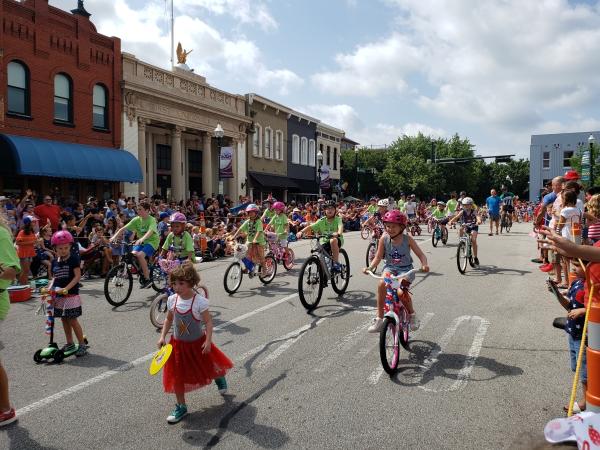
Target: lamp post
{"points": [[356, 171], [218, 133], [591, 141], [319, 164]]}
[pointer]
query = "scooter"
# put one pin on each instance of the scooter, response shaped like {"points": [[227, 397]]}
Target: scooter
{"points": [[51, 351]]}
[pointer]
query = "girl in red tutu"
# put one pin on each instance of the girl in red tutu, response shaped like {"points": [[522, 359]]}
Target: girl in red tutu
{"points": [[195, 360]]}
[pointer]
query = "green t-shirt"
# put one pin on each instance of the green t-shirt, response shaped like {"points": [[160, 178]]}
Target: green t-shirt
{"points": [[400, 205], [324, 226], [279, 224], [183, 245], [8, 258], [438, 214], [268, 215], [451, 205], [141, 226], [253, 230], [372, 209]]}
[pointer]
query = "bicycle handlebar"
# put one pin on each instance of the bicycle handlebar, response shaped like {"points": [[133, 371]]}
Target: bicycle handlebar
{"points": [[396, 277]]}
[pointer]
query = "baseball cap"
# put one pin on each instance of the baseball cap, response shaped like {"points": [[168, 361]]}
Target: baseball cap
{"points": [[571, 175]]}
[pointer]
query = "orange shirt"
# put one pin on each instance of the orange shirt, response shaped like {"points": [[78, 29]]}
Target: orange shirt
{"points": [[26, 244]]}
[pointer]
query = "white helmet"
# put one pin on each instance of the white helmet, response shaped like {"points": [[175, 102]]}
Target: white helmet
{"points": [[383, 202], [467, 201]]}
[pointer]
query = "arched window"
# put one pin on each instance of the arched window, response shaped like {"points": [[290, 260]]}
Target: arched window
{"points": [[295, 149], [311, 152], [268, 142], [278, 145], [304, 151], [257, 141], [63, 98], [100, 107], [18, 88]]}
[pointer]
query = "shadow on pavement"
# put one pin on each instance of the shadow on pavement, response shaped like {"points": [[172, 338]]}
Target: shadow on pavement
{"points": [[232, 328], [94, 360], [274, 289], [233, 417], [495, 270], [19, 439]]}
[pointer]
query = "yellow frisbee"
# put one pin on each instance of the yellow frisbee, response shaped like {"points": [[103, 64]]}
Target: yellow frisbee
{"points": [[160, 359]]}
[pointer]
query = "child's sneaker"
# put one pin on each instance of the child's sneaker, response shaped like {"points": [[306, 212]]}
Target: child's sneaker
{"points": [[68, 348], [82, 350], [415, 323], [221, 383], [8, 417], [376, 326], [178, 413]]}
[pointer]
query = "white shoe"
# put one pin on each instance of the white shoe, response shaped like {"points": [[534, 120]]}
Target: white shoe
{"points": [[376, 326], [415, 323]]}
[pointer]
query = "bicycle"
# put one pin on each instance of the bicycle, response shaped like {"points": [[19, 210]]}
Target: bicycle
{"points": [[283, 255], [439, 233], [118, 283], [415, 229], [506, 222], [372, 247], [396, 320], [232, 280], [464, 252], [316, 272], [158, 308], [430, 224]]}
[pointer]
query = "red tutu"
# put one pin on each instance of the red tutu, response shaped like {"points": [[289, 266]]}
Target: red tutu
{"points": [[189, 369]]}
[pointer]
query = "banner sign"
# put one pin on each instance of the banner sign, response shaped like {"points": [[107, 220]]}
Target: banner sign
{"points": [[226, 162], [325, 179], [585, 166]]}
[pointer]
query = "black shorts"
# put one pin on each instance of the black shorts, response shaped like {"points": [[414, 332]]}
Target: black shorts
{"points": [[327, 246], [509, 209]]}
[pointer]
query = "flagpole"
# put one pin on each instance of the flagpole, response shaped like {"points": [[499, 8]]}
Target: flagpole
{"points": [[172, 36]]}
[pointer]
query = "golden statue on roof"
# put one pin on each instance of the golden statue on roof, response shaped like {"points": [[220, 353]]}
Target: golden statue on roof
{"points": [[182, 54]]}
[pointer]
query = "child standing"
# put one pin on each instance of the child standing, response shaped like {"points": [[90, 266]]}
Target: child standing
{"points": [[66, 274], [195, 360], [395, 247], [25, 240]]}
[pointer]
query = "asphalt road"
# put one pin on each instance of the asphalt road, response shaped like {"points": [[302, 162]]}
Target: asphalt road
{"points": [[485, 371]]}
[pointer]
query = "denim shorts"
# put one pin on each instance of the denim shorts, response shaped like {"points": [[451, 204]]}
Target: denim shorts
{"points": [[574, 351], [146, 248]]}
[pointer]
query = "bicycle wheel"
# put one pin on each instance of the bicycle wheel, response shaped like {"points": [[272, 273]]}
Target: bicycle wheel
{"points": [[404, 334], [371, 252], [340, 280], [444, 235], [418, 230], [461, 257], [310, 283], [159, 279], [270, 270], [232, 279], [508, 224], [118, 285], [158, 310], [365, 233], [202, 290], [435, 237], [389, 350], [288, 259]]}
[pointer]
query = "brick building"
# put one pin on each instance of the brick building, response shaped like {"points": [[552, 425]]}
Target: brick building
{"points": [[60, 104]]}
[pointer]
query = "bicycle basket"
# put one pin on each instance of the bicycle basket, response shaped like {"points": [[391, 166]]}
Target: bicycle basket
{"points": [[271, 237], [167, 265], [240, 251]]}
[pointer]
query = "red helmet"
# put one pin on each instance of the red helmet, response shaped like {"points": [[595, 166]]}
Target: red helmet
{"points": [[279, 206], [395, 216], [61, 237]]}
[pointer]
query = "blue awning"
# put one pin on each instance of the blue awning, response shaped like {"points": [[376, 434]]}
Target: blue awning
{"points": [[31, 156]]}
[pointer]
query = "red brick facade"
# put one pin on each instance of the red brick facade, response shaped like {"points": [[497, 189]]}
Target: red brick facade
{"points": [[49, 40]]}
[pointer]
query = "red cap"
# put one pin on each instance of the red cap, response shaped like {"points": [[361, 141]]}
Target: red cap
{"points": [[571, 175]]}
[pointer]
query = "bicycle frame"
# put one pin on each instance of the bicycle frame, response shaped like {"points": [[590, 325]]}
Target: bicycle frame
{"points": [[322, 254], [466, 238], [394, 306]]}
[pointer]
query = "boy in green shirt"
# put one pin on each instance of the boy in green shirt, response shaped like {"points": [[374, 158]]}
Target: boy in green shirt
{"points": [[255, 237], [179, 241]]}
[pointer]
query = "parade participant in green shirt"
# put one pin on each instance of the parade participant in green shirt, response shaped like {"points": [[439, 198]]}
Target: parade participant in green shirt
{"points": [[452, 205], [269, 212], [255, 237], [279, 223], [179, 241], [331, 229]]}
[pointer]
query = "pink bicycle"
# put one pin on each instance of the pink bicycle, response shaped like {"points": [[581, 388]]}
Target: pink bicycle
{"points": [[283, 255]]}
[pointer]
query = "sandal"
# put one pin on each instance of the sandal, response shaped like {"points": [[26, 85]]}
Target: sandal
{"points": [[576, 408]]}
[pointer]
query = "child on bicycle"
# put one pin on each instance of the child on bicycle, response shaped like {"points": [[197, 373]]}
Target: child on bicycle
{"points": [[394, 248], [179, 241], [279, 224], [66, 274], [269, 212], [439, 214], [376, 219], [255, 237], [195, 361], [331, 229], [469, 219]]}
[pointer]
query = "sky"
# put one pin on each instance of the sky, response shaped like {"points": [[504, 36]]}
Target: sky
{"points": [[493, 71]]}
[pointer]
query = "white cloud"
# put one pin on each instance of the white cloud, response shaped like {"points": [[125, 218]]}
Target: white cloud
{"points": [[245, 11]]}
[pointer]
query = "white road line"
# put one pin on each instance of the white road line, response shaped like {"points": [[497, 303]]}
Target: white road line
{"points": [[344, 345], [130, 365], [463, 375], [376, 374]]}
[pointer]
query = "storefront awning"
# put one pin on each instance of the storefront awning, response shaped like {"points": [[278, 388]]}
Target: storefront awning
{"points": [[22, 155], [273, 181], [307, 186]]}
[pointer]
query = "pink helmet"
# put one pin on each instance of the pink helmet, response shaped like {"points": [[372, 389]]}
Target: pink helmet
{"points": [[178, 218], [279, 206], [61, 237], [395, 216], [252, 207]]}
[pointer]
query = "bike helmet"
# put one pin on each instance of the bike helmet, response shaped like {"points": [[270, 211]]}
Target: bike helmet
{"points": [[373, 199], [383, 202], [329, 204], [178, 218], [279, 206], [467, 201], [441, 203], [252, 208], [61, 237], [395, 216], [163, 214]]}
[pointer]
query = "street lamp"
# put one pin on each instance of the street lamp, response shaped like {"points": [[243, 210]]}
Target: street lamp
{"points": [[319, 164], [356, 171], [591, 141], [218, 133]]}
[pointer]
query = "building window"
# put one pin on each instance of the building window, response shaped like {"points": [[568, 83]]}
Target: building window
{"points": [[335, 156], [163, 157], [268, 143], [100, 109], [328, 156], [63, 98], [295, 149], [311, 152], [18, 88], [195, 161], [257, 141], [278, 144], [545, 160], [567, 159], [304, 151]]}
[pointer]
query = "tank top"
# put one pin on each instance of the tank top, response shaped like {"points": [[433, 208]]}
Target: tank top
{"points": [[397, 257], [185, 326]]}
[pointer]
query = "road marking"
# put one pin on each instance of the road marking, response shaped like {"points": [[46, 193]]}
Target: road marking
{"points": [[130, 365], [345, 344], [463, 375]]}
